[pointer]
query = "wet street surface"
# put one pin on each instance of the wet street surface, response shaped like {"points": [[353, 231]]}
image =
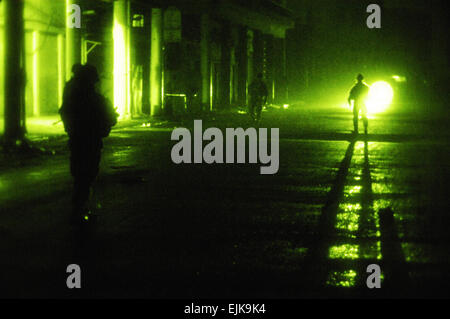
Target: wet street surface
{"points": [[337, 204]]}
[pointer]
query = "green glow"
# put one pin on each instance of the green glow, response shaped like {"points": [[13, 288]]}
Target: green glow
{"points": [[379, 98], [35, 74], [359, 148], [60, 68], [354, 189], [419, 253], [120, 96], [379, 256], [342, 278], [381, 204], [2, 57], [349, 219], [156, 69], [211, 87], [382, 188], [345, 251], [399, 78], [377, 223]]}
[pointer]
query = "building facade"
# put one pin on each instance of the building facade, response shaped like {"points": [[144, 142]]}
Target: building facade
{"points": [[152, 56]]}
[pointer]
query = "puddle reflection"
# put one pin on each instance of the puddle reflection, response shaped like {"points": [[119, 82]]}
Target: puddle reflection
{"points": [[345, 278]]}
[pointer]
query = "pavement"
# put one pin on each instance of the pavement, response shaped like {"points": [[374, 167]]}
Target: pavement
{"points": [[337, 204]]}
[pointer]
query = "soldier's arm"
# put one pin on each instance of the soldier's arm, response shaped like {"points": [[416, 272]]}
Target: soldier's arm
{"points": [[111, 113], [350, 96]]}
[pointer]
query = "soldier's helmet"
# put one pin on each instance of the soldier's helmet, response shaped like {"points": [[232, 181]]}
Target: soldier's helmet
{"points": [[76, 68], [89, 74], [360, 77]]}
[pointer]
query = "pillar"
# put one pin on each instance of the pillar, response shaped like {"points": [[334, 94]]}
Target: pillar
{"points": [[258, 52], [269, 66], [121, 37], [60, 39], [35, 75], [14, 71], [73, 41], [225, 66], [249, 50], [205, 62], [241, 56], [156, 88], [280, 77]]}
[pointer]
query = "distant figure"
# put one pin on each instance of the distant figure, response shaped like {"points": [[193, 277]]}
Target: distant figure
{"points": [[88, 118], [258, 97], [358, 94]]}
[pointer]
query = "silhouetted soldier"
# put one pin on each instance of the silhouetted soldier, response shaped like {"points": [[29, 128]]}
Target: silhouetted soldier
{"points": [[358, 94], [76, 68], [258, 97], [88, 118]]}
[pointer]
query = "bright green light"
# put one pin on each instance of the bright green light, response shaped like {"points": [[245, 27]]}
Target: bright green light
{"points": [[345, 251], [119, 68], [379, 98], [35, 74], [342, 278], [399, 78], [60, 40], [349, 219]]}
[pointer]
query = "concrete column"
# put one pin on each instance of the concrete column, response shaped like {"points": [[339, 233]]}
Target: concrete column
{"points": [[241, 55], [156, 88], [205, 67], [225, 63], [121, 35], [280, 78], [234, 77], [14, 71], [268, 66], [249, 61], [73, 41], [258, 52], [60, 39], [35, 75], [285, 78]]}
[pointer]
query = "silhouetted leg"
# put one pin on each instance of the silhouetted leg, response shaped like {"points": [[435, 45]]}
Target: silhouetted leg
{"points": [[76, 169], [84, 166], [366, 123], [251, 108], [355, 118], [364, 118], [80, 195], [258, 112]]}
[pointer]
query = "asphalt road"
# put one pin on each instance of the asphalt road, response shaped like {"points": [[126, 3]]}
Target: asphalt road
{"points": [[337, 204]]}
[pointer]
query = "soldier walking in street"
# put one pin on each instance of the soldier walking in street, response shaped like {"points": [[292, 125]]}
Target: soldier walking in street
{"points": [[258, 97], [88, 118], [358, 94]]}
